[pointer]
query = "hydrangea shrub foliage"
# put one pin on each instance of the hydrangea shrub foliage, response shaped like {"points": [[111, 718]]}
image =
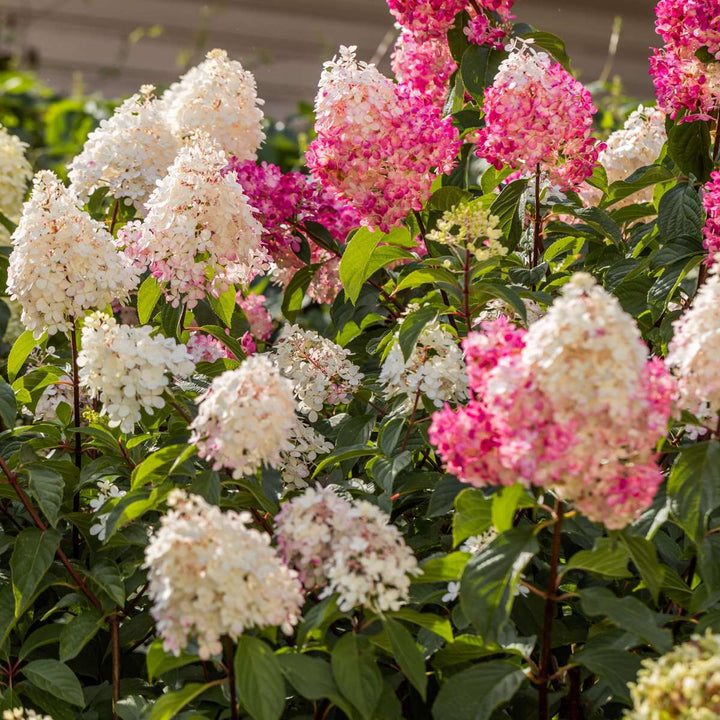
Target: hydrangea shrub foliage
{"points": [[420, 422]]}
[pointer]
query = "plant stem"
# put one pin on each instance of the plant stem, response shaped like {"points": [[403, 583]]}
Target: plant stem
{"points": [[115, 643], [466, 291], [230, 663], [574, 698], [12, 479], [114, 216], [546, 647], [78, 437], [537, 230]]}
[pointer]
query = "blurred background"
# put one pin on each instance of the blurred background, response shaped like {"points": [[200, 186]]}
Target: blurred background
{"points": [[78, 47]]}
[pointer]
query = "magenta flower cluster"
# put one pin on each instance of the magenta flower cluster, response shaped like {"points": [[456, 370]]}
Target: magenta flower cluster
{"points": [[426, 18], [538, 115], [683, 82], [711, 203]]}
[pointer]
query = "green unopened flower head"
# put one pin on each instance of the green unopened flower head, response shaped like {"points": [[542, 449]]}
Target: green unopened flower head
{"points": [[682, 684]]}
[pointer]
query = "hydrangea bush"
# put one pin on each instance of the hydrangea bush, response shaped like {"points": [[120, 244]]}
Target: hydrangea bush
{"points": [[423, 424]]}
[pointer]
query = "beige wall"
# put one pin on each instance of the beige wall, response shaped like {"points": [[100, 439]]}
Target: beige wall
{"points": [[114, 46]]}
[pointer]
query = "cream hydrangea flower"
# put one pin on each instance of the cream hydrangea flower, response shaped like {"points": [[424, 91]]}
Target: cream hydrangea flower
{"points": [[296, 464], [435, 368], [15, 173], [128, 153], [220, 98], [210, 575], [199, 230], [320, 369], [63, 263], [127, 368], [23, 714], [351, 549], [246, 417]]}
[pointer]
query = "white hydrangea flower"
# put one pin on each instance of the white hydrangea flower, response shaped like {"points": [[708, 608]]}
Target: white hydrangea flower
{"points": [[15, 173], [210, 575], [350, 548], [60, 391], [108, 491], [694, 352], [220, 98], [199, 231], [587, 328], [296, 463], [23, 714], [435, 368], [128, 153], [246, 417], [319, 369], [63, 263], [127, 368]]}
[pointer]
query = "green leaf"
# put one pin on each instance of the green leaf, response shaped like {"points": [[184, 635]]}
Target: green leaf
{"points": [[552, 44], [8, 405], [491, 577], [7, 223], [148, 295], [170, 704], [680, 213], [475, 693], [439, 625], [608, 558], [296, 289], [643, 554], [158, 661], [7, 613], [389, 435], [426, 276], [447, 568], [412, 328], [689, 147], [356, 260], [347, 453], [627, 613], [78, 632], [44, 635], [32, 556], [617, 669], [694, 487], [447, 197], [156, 467], [504, 504], [505, 293], [473, 515], [407, 655], [57, 679], [47, 487], [478, 68], [639, 180], [356, 674], [310, 676], [259, 679], [507, 208], [108, 578], [224, 306], [19, 352], [228, 340], [709, 562]]}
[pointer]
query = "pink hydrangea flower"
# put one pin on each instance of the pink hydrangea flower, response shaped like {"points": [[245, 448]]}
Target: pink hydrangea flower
{"points": [[537, 114], [711, 203], [379, 145], [261, 322], [480, 32], [424, 65], [206, 348], [426, 18]]}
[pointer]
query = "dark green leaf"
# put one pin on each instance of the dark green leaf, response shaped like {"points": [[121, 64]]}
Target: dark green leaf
{"points": [[32, 556], [47, 487], [170, 704], [643, 554], [680, 213], [412, 328], [689, 147], [259, 679], [608, 558], [310, 676], [473, 515], [356, 674], [57, 679], [507, 208], [296, 289], [8, 405], [407, 654], [617, 669], [107, 577], [78, 632]]}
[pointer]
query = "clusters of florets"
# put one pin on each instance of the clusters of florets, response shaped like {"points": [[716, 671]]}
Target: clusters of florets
{"points": [[210, 575], [257, 315], [538, 115], [320, 370], [61, 391], [199, 228], [245, 417], [638, 144], [479, 31], [127, 368], [683, 684], [426, 18], [128, 153], [424, 65], [684, 82], [296, 464], [220, 98], [379, 145], [435, 368], [284, 202], [711, 203], [107, 490], [350, 549], [205, 348], [23, 714], [470, 226], [63, 262], [571, 404], [15, 172], [694, 353]]}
